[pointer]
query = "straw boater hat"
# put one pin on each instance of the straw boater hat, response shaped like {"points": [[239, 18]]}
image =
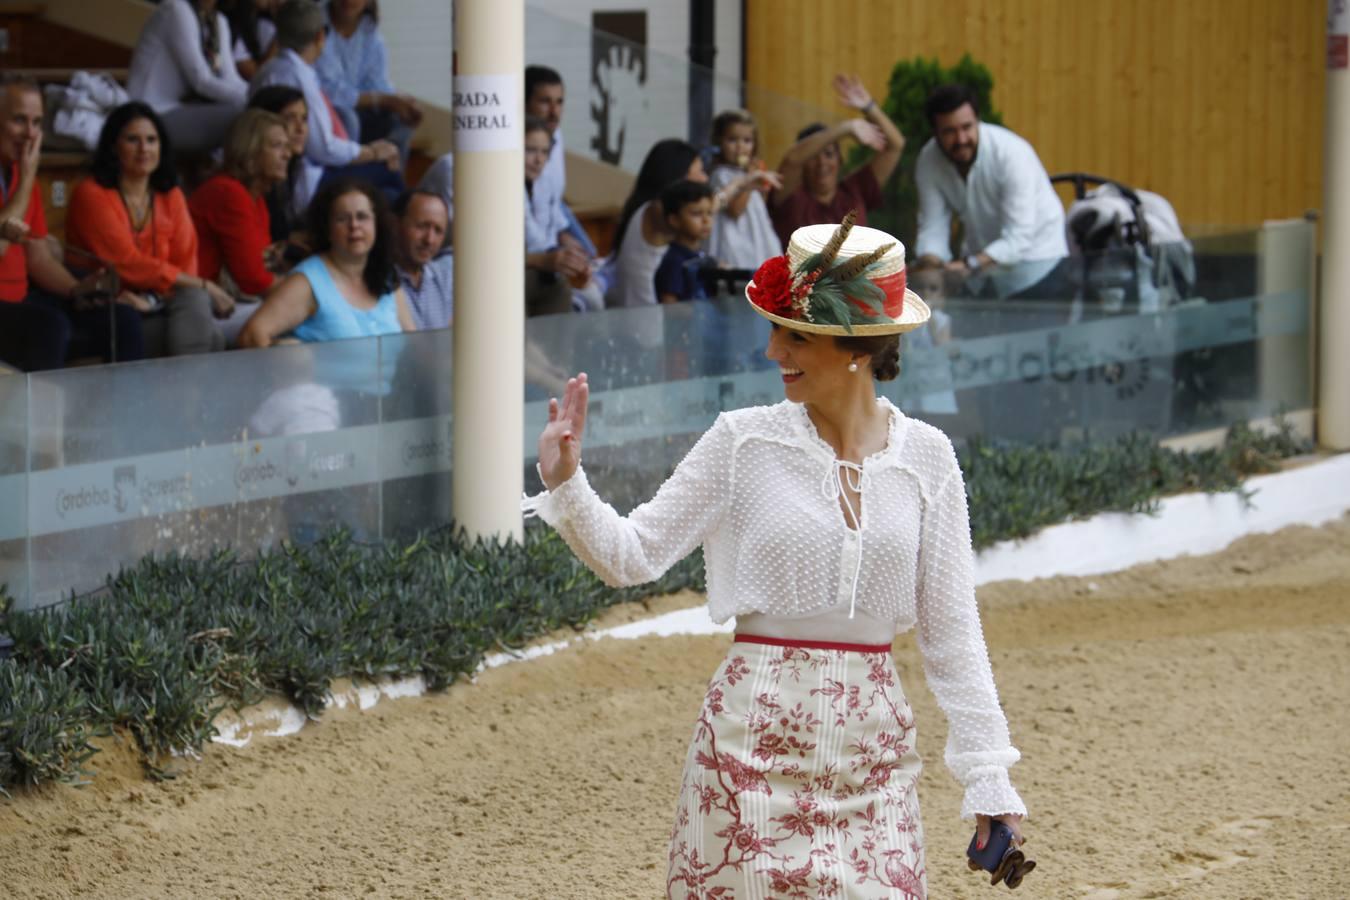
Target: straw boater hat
{"points": [[838, 279]]}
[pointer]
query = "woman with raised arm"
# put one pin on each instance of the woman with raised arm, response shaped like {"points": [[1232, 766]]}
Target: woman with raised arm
{"points": [[829, 523], [814, 189]]}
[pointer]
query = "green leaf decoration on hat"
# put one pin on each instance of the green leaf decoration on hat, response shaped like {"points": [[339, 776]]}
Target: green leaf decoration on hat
{"points": [[832, 303]]}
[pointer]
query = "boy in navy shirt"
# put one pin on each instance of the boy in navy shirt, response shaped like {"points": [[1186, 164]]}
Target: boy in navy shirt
{"points": [[688, 207]]}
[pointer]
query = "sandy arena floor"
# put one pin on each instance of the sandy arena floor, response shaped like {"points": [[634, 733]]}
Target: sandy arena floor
{"points": [[1183, 727]]}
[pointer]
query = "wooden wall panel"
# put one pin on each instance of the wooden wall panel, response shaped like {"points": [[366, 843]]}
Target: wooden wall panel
{"points": [[37, 44], [1216, 104]]}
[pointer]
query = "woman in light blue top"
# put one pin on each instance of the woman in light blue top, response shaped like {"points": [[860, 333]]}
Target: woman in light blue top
{"points": [[349, 287]]}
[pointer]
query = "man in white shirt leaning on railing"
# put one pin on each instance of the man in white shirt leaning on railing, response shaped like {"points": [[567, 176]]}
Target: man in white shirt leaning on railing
{"points": [[993, 181]]}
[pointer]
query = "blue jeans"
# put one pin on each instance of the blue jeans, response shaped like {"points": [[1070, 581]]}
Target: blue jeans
{"points": [[43, 330]]}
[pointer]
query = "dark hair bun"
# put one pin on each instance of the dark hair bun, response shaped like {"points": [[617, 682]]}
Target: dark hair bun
{"points": [[886, 364], [884, 350]]}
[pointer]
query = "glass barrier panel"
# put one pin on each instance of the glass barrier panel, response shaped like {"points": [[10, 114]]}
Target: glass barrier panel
{"points": [[1226, 263], [416, 433], [1286, 265], [102, 466], [1089, 350], [183, 455], [659, 377], [14, 486], [1186, 369], [1177, 338]]}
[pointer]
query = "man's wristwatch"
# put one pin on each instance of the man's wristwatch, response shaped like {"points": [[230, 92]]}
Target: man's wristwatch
{"points": [[973, 262]]}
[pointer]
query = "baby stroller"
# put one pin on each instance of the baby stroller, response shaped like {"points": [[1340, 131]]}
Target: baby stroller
{"points": [[1133, 253], [1134, 258]]}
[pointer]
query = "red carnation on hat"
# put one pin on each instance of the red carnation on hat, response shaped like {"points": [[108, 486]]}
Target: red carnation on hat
{"points": [[771, 289]]}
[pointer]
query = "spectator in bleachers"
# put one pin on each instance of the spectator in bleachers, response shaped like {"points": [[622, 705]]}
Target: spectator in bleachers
{"points": [[556, 266], [183, 67], [349, 288], [131, 213], [813, 192], [40, 300], [643, 234], [329, 151], [354, 72], [439, 179], [255, 34], [551, 267], [287, 216], [743, 235], [230, 210], [426, 267], [688, 206], [544, 99], [992, 180]]}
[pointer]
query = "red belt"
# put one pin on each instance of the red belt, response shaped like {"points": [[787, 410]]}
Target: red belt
{"points": [[812, 645]]}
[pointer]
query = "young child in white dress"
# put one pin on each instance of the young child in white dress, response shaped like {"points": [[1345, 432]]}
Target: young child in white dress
{"points": [[743, 235]]}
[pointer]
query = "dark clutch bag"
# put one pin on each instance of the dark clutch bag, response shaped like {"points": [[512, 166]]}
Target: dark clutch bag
{"points": [[1000, 857], [1000, 837]]}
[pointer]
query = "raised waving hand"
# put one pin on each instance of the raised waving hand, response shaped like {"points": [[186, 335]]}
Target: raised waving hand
{"points": [[851, 91], [560, 441]]}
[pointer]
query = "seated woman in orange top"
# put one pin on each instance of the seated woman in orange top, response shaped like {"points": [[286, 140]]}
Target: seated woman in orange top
{"points": [[230, 209], [131, 214]]}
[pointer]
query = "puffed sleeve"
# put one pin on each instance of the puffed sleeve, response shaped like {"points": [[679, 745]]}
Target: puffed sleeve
{"points": [[640, 547], [955, 659]]}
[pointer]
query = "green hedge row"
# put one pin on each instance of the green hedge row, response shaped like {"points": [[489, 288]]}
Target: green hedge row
{"points": [[166, 644], [1015, 490]]}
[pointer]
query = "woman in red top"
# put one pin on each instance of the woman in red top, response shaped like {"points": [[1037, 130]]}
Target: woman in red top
{"points": [[814, 191], [131, 214], [230, 209]]}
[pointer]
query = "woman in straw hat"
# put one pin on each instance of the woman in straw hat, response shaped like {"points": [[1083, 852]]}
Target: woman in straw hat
{"points": [[829, 522]]}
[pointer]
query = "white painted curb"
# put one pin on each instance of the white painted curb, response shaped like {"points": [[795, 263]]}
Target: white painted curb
{"points": [[1188, 524]]}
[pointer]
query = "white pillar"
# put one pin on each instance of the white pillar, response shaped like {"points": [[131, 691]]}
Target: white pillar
{"points": [[489, 235], [1333, 420]]}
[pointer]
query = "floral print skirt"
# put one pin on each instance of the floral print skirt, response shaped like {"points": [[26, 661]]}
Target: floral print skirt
{"points": [[801, 779]]}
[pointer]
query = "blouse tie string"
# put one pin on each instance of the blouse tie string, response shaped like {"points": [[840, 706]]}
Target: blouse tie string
{"points": [[842, 477]]}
